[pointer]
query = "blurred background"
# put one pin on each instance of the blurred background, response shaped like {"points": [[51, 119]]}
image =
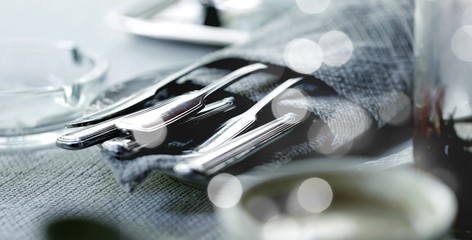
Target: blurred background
{"points": [[84, 22]]}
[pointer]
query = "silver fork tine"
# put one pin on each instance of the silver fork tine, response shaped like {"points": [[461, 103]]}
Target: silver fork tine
{"points": [[231, 152], [145, 125], [238, 124]]}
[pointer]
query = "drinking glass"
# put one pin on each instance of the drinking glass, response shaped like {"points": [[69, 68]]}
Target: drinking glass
{"points": [[443, 89]]}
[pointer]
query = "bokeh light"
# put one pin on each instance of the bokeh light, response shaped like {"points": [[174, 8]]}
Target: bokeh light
{"points": [[151, 139], [315, 195], [461, 43], [404, 115], [337, 48], [303, 55], [313, 6], [281, 227], [224, 190], [322, 141], [279, 109], [320, 138], [263, 208]]}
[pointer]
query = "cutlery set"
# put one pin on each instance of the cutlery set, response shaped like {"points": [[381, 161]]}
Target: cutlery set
{"points": [[130, 126]]}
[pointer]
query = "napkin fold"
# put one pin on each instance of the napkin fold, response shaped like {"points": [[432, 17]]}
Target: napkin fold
{"points": [[372, 81]]}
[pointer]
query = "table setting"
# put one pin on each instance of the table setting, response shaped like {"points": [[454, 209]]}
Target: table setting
{"points": [[227, 119]]}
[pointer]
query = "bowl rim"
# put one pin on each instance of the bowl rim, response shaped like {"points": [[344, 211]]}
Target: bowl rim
{"points": [[247, 223]]}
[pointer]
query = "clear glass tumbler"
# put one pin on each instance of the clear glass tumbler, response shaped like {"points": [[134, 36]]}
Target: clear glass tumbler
{"points": [[443, 91]]}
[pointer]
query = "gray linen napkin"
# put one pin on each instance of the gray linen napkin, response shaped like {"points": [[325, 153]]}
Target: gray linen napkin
{"points": [[373, 87]]}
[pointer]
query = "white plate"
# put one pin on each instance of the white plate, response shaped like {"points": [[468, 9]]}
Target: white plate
{"points": [[182, 19]]}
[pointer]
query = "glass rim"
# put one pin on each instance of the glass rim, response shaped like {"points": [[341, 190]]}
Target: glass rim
{"points": [[100, 63]]}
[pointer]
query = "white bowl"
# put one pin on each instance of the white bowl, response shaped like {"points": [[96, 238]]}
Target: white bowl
{"points": [[326, 200]]}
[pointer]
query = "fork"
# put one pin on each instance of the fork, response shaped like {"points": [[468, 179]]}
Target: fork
{"points": [[230, 129]]}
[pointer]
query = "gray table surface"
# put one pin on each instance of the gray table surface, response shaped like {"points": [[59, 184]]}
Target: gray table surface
{"points": [[39, 187]]}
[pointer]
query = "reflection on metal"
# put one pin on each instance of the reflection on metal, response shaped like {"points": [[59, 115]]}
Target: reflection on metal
{"points": [[216, 22]]}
